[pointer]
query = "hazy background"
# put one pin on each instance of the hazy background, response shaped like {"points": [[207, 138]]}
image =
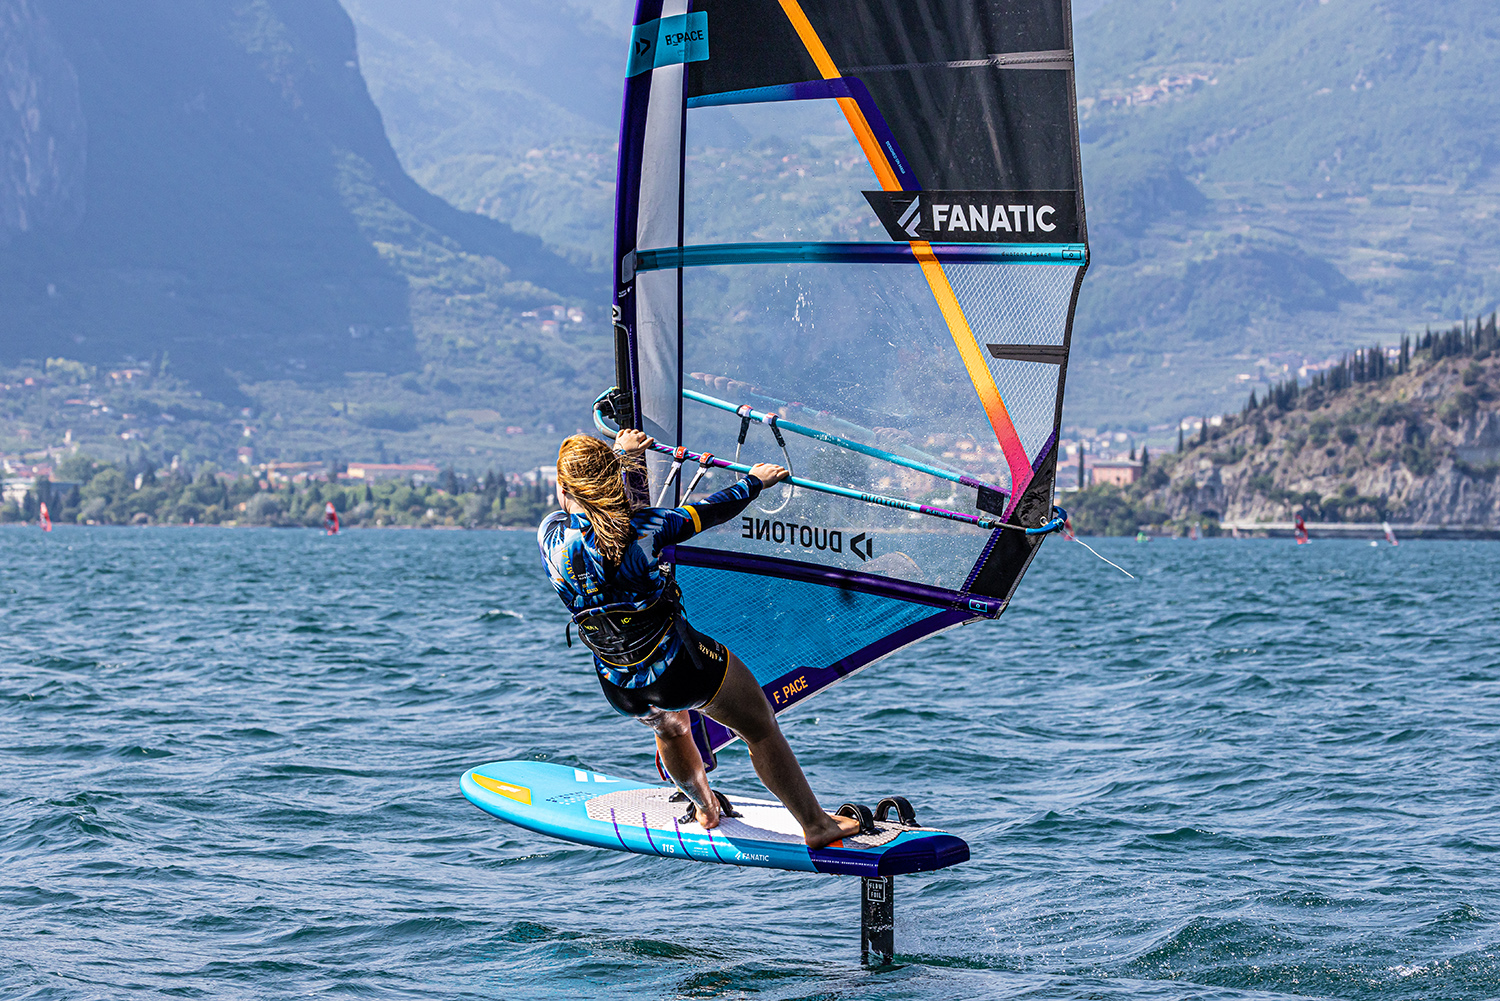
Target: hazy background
{"points": [[328, 225]]}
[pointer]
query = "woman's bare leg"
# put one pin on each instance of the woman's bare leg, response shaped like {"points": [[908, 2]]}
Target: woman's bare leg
{"points": [[674, 742], [742, 706]]}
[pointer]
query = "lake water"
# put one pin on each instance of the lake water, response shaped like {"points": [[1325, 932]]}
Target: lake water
{"points": [[229, 768]]}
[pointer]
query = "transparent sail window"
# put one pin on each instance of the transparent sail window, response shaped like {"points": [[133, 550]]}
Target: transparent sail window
{"points": [[789, 171]]}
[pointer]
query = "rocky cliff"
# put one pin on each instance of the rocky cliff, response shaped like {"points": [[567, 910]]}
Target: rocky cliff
{"points": [[1418, 443], [43, 139]]}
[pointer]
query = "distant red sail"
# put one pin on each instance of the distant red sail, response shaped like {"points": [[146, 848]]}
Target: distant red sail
{"points": [[46, 519], [330, 519]]}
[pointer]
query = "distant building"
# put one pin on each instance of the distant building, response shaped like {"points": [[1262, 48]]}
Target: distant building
{"points": [[15, 491], [374, 471], [1116, 473], [298, 472]]}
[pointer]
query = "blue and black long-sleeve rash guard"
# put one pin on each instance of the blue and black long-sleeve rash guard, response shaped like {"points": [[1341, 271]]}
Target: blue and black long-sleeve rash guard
{"points": [[583, 579]]}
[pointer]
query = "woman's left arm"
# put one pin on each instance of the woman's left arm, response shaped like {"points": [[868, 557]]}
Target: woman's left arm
{"points": [[633, 444]]}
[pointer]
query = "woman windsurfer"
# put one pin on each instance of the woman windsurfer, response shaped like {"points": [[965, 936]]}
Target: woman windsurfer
{"points": [[603, 556]]}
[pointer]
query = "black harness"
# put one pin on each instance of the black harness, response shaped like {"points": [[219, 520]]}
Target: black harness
{"points": [[624, 634]]}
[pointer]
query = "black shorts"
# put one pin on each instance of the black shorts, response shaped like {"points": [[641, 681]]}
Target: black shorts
{"points": [[690, 681]]}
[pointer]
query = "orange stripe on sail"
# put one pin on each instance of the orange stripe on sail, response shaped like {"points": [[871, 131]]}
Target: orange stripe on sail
{"points": [[850, 107], [810, 39], [932, 269], [979, 371]]}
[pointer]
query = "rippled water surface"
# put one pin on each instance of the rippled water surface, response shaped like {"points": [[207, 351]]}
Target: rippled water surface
{"points": [[229, 768]]}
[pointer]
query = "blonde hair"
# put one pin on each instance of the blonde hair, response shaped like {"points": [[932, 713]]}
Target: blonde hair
{"points": [[593, 474]]}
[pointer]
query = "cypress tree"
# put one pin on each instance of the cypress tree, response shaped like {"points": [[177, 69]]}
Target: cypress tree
{"points": [[1203, 432], [1081, 449], [1180, 442], [1145, 459]]}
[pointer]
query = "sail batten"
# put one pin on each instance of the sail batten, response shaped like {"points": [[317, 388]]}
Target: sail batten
{"points": [[668, 258]]}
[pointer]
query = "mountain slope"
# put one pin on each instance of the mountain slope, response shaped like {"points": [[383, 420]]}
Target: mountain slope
{"points": [[1272, 181], [1321, 96], [523, 131], [240, 209]]}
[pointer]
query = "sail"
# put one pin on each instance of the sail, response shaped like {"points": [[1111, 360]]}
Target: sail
{"points": [[849, 239]]}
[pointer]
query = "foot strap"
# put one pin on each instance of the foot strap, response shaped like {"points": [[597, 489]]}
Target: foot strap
{"points": [[726, 809], [905, 815]]}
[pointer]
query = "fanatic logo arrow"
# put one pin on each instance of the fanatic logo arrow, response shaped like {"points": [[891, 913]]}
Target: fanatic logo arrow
{"points": [[911, 217]]}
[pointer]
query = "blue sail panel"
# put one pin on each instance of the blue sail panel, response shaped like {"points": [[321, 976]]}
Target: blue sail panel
{"points": [[799, 636]]}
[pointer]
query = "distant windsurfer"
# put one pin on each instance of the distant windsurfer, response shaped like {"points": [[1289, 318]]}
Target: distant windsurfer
{"points": [[603, 555], [46, 518], [330, 519], [1300, 532]]}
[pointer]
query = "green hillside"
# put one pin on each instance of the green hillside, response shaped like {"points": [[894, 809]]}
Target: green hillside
{"points": [[1324, 97]]}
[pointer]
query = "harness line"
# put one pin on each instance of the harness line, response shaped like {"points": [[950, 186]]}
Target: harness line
{"points": [[747, 414]]}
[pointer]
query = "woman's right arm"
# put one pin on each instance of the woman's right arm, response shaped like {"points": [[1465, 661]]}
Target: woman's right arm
{"points": [[717, 508]]}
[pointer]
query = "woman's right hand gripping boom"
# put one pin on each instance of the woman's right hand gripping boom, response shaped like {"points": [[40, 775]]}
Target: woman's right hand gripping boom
{"points": [[769, 474]]}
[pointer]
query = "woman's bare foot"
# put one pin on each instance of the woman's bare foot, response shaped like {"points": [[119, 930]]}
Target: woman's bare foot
{"points": [[833, 830]]}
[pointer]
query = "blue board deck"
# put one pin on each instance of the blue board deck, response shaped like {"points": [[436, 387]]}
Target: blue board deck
{"points": [[588, 808]]}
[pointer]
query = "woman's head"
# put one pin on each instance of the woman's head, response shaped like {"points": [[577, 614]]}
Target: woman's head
{"points": [[591, 474]]}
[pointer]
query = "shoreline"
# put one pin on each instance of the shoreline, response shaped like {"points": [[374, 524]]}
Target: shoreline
{"points": [[305, 528], [1360, 531]]}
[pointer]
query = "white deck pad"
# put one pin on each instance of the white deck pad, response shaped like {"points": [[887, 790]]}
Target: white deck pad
{"points": [[763, 820]]}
